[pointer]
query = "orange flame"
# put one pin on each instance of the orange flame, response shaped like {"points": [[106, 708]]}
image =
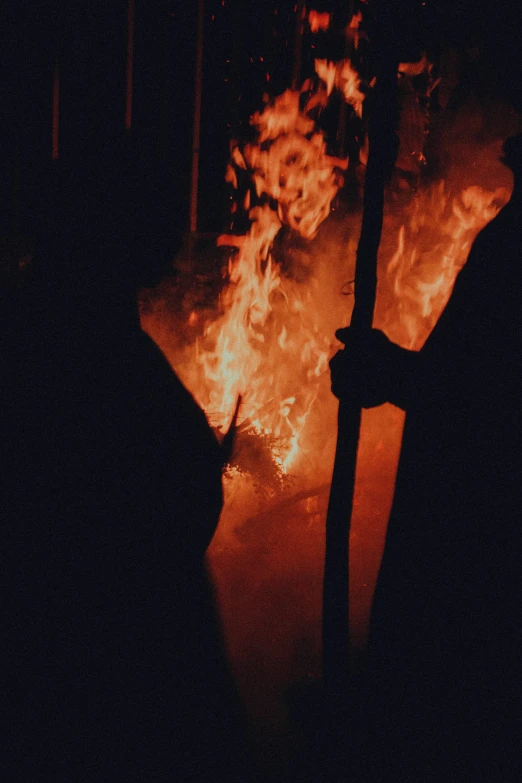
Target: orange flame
{"points": [[297, 173], [267, 319], [432, 248], [271, 340], [344, 77], [318, 21]]}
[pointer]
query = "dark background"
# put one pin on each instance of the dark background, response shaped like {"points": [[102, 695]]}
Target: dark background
{"points": [[248, 49]]}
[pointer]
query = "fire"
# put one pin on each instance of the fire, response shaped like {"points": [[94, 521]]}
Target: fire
{"points": [[271, 336], [344, 77], [356, 21], [432, 247], [318, 21], [297, 173], [267, 343]]}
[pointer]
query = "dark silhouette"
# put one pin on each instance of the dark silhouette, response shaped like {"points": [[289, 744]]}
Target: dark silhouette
{"points": [[113, 666], [444, 656]]}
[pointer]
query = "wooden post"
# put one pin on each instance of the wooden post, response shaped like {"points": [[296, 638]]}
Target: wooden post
{"points": [[196, 138], [336, 631], [130, 58]]}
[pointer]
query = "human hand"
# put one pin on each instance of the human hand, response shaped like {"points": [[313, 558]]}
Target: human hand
{"points": [[362, 371]]}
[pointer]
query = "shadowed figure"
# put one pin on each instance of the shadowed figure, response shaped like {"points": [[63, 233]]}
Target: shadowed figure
{"points": [[113, 666], [445, 635]]}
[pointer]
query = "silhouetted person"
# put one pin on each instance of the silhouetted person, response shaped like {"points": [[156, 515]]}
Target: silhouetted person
{"points": [[113, 667], [445, 635]]}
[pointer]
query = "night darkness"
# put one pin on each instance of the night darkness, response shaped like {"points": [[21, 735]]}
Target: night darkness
{"points": [[248, 50]]}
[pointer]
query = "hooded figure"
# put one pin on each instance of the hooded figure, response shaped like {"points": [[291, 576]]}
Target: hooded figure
{"points": [[446, 631], [113, 664]]}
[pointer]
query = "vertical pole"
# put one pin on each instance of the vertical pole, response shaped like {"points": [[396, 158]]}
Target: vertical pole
{"points": [[383, 149], [197, 120], [130, 58], [56, 110]]}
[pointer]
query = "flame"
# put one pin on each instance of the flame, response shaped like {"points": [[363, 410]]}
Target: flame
{"points": [[297, 173], [431, 249], [353, 31], [318, 21], [411, 69], [344, 77], [267, 343], [271, 336], [356, 21], [282, 116]]}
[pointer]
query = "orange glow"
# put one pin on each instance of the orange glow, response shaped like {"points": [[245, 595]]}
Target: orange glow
{"points": [[318, 21], [432, 247], [415, 68], [355, 21], [271, 335], [345, 78], [267, 343]]}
